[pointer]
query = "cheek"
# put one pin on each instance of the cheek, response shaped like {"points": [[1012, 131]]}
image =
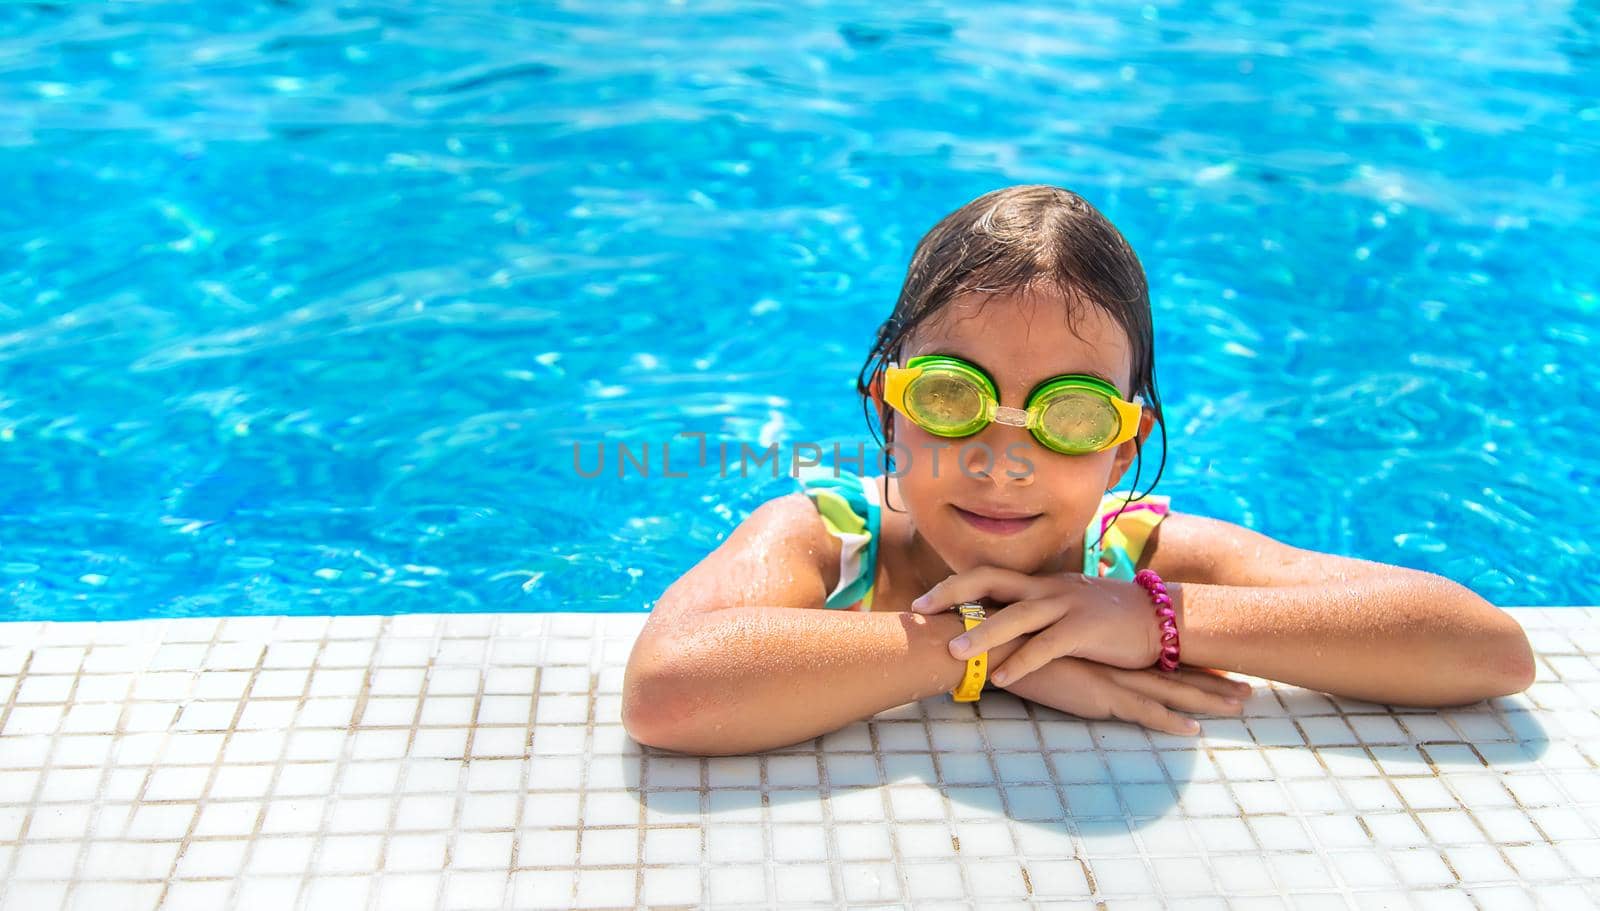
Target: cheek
{"points": [[922, 459]]}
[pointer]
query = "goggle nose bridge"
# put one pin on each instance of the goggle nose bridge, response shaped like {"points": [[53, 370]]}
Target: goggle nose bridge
{"points": [[1015, 417]]}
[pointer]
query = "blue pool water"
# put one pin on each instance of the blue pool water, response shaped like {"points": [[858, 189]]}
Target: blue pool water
{"points": [[303, 307]]}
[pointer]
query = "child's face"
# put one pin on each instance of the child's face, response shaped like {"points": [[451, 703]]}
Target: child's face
{"points": [[1019, 340]]}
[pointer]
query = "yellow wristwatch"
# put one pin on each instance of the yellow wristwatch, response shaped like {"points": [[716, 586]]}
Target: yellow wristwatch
{"points": [[971, 685]]}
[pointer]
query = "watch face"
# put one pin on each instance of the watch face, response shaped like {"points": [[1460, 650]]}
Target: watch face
{"points": [[971, 609]]}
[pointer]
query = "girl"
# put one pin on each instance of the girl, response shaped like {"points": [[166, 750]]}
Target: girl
{"points": [[1014, 384]]}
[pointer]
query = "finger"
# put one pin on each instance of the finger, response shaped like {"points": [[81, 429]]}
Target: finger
{"points": [[980, 582], [1242, 687], [1029, 657], [1002, 626], [1216, 674], [1178, 694], [1140, 709], [1211, 683]]}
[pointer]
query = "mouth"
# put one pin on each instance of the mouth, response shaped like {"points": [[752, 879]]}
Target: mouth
{"points": [[998, 522]]}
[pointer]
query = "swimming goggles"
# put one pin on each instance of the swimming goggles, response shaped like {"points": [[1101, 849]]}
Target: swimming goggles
{"points": [[1073, 414]]}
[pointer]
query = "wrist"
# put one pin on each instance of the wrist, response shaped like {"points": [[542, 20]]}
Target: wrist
{"points": [[948, 625], [1165, 635], [940, 628], [1191, 641], [1175, 593]]}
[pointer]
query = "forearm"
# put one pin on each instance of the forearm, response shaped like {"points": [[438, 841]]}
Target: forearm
{"points": [[1402, 638], [748, 679]]}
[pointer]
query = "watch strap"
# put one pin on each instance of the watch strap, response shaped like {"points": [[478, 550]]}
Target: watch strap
{"points": [[971, 685]]}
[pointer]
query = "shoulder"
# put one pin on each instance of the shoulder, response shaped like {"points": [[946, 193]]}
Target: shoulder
{"points": [[1186, 547], [781, 555], [784, 531]]}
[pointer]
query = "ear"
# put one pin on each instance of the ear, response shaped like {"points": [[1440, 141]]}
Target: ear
{"points": [[1129, 450], [875, 389]]}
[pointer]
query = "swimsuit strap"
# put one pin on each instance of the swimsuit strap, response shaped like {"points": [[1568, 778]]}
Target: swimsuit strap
{"points": [[849, 508], [1125, 534]]}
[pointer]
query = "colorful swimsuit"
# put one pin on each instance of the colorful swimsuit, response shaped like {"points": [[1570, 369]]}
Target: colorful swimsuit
{"points": [[850, 509]]}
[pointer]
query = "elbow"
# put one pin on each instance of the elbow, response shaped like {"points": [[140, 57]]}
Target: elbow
{"points": [[658, 711], [652, 717], [647, 706], [1514, 658], [647, 719], [1511, 665], [649, 690], [1489, 664], [1509, 661], [638, 699], [1519, 664]]}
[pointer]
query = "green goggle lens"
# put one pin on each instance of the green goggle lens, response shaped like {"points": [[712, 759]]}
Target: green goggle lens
{"points": [[1079, 421], [947, 403]]}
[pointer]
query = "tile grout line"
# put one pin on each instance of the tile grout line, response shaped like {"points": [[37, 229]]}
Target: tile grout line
{"points": [[944, 797], [885, 790], [463, 792], [1238, 805], [1074, 837], [825, 805], [1340, 706], [583, 778], [644, 818], [532, 754], [1099, 750], [402, 777], [1499, 846], [27, 819], [319, 838], [769, 835], [1342, 888], [594, 661], [82, 855], [524, 785], [1359, 813], [217, 763], [1292, 810], [267, 799], [703, 769], [358, 709], [1007, 814]]}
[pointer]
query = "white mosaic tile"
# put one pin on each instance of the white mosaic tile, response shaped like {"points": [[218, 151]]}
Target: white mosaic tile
{"points": [[477, 761]]}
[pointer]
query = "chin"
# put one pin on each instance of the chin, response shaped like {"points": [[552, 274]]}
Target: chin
{"points": [[1018, 558]]}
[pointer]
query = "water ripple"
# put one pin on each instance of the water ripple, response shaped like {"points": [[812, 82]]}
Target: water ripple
{"points": [[303, 308]]}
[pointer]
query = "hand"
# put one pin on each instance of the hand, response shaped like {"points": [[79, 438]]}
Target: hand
{"points": [[1071, 616], [1145, 697]]}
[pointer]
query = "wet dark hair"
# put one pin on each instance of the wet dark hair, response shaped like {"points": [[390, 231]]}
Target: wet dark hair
{"points": [[1009, 241]]}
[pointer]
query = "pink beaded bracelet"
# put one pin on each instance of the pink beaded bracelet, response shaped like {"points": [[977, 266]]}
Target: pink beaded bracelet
{"points": [[1169, 623]]}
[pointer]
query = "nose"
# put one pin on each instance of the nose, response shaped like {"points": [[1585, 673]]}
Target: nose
{"points": [[1000, 454]]}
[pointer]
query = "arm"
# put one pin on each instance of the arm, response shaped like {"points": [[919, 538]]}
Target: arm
{"points": [[740, 655], [1353, 628], [747, 679]]}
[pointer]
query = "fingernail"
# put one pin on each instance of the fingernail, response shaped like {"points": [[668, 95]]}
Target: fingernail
{"points": [[1232, 700], [1191, 726], [1001, 678], [920, 602], [958, 645]]}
